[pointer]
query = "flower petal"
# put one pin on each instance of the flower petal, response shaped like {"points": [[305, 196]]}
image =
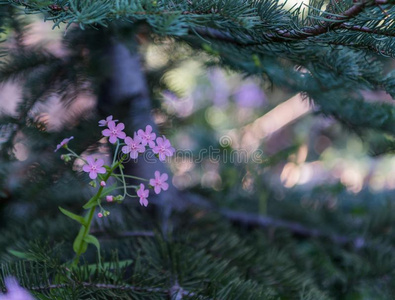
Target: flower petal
{"points": [[86, 168], [157, 189], [92, 175], [113, 139], [165, 186], [120, 126], [164, 177], [106, 132]]}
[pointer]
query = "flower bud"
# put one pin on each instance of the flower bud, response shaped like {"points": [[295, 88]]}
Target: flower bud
{"points": [[118, 198], [110, 198], [100, 215], [106, 213], [102, 183], [92, 183]]}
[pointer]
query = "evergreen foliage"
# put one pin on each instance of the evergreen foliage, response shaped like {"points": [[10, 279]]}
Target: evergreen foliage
{"points": [[333, 53]]}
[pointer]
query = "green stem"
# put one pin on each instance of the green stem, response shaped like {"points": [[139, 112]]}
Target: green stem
{"points": [[92, 211]]}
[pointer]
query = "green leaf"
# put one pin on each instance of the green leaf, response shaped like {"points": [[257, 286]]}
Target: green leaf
{"points": [[90, 203], [92, 240], [73, 216], [19, 254], [79, 245]]}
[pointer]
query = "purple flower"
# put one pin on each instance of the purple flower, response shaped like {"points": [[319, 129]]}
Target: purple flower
{"points": [[114, 131], [103, 123], [143, 194], [159, 182], [93, 167], [63, 143], [163, 148], [147, 137], [14, 291], [133, 146]]}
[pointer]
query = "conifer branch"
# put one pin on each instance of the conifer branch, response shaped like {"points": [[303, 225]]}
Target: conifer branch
{"points": [[265, 221], [174, 290]]}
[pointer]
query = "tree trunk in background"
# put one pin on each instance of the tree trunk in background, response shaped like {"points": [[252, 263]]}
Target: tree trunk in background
{"points": [[126, 96]]}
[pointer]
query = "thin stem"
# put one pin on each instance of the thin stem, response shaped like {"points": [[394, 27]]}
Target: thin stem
{"points": [[92, 211], [130, 176], [115, 153]]}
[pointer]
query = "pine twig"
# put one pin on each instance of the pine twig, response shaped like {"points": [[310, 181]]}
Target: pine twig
{"points": [[265, 221]]}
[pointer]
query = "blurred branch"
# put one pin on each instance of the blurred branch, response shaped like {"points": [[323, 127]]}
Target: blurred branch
{"points": [[250, 219], [173, 291], [265, 221], [124, 234]]}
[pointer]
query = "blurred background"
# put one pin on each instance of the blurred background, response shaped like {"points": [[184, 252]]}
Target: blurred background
{"points": [[243, 145]]}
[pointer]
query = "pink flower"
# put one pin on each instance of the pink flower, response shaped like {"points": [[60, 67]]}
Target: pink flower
{"points": [[133, 146], [159, 182], [103, 183], [103, 123], [100, 215], [143, 194], [14, 291], [163, 148], [147, 137], [109, 198], [93, 167], [114, 131], [63, 143]]}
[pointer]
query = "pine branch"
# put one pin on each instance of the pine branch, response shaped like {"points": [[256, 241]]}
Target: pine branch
{"points": [[265, 221], [173, 291]]}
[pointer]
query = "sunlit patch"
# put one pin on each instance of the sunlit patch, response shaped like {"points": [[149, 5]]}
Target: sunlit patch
{"points": [[183, 181], [290, 175], [211, 179], [352, 179], [21, 152]]}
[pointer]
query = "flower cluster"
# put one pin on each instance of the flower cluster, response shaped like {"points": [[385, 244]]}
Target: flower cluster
{"points": [[141, 141], [100, 174], [137, 145]]}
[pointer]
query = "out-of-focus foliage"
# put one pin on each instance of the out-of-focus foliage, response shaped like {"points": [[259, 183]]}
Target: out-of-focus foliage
{"points": [[282, 201]]}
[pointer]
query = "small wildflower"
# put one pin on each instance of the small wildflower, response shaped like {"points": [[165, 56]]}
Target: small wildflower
{"points": [[159, 182], [147, 136], [103, 123], [114, 131], [103, 183], [163, 148], [100, 215], [63, 143], [109, 198], [133, 146], [93, 167], [143, 194], [14, 291]]}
